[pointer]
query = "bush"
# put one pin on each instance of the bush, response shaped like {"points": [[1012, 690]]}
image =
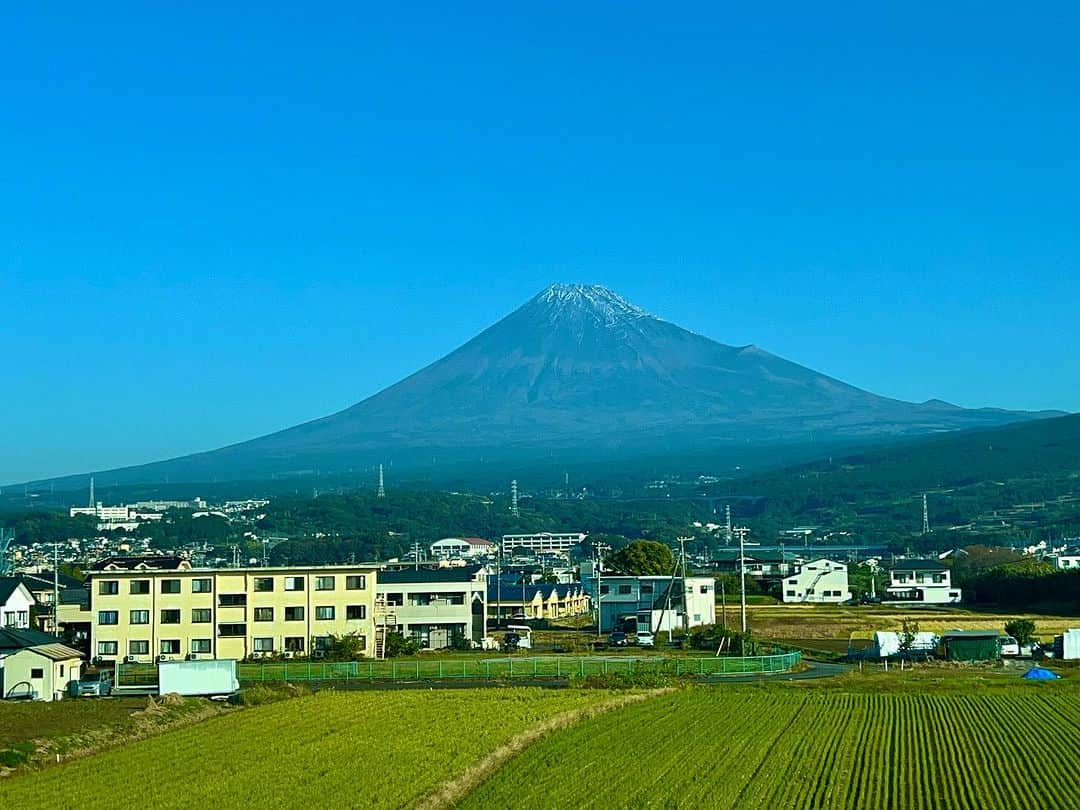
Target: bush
{"points": [[17, 755], [262, 694], [397, 644], [712, 636]]}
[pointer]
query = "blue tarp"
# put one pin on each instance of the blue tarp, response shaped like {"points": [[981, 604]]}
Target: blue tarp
{"points": [[1040, 674]]}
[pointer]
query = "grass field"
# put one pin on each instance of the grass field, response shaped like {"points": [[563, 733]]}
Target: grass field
{"points": [[23, 721], [788, 747], [369, 749]]}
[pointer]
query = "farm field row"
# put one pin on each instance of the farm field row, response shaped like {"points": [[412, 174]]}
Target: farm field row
{"points": [[352, 749], [839, 622], [778, 746]]}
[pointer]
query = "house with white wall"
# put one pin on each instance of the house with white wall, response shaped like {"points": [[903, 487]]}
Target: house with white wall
{"points": [[15, 603], [820, 581], [923, 582]]}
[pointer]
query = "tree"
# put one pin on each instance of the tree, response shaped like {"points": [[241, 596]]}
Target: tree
{"points": [[909, 631], [346, 647], [1023, 630], [642, 558], [397, 644]]}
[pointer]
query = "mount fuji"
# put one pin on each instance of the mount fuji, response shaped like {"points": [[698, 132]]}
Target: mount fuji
{"points": [[576, 369]]}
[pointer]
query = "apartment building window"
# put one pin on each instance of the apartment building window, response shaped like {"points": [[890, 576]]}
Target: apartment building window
{"points": [[646, 587], [790, 593], [108, 617], [294, 583], [294, 614], [322, 643], [107, 647], [108, 587], [232, 630], [395, 599], [625, 589], [170, 646], [263, 584], [356, 612], [263, 645], [200, 645], [140, 617], [139, 587], [170, 586], [324, 613], [356, 582], [139, 647], [202, 585], [324, 583], [200, 616], [170, 617], [604, 590], [294, 643], [264, 614], [232, 599]]}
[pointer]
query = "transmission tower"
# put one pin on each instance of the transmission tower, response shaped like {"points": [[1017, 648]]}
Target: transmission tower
{"points": [[91, 504], [727, 527], [382, 489], [925, 516], [6, 536], [514, 499]]}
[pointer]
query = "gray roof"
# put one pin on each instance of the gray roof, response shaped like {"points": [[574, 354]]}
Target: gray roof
{"points": [[918, 565], [56, 651], [465, 573], [12, 639]]}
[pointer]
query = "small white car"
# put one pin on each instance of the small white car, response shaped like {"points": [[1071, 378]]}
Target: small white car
{"points": [[644, 639]]}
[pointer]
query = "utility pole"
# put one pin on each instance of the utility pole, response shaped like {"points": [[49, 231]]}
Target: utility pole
{"points": [[498, 585], [742, 531], [56, 590], [723, 605]]}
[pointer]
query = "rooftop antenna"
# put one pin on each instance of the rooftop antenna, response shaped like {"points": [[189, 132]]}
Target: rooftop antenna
{"points": [[381, 493], [514, 499], [925, 516]]}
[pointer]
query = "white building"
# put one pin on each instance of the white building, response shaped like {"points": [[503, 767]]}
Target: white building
{"points": [[106, 514], [15, 603], [820, 581], [432, 604], [922, 581], [1066, 562], [542, 542], [652, 603], [41, 672], [459, 548]]}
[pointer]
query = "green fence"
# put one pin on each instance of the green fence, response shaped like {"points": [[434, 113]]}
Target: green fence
{"points": [[419, 669]]}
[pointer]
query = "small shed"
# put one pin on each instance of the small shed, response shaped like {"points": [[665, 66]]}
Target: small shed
{"points": [[971, 645], [41, 672]]}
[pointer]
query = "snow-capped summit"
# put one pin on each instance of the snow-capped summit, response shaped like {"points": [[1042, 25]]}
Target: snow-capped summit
{"points": [[592, 300]]}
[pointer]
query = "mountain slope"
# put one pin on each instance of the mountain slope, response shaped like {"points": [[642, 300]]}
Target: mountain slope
{"points": [[577, 369]]}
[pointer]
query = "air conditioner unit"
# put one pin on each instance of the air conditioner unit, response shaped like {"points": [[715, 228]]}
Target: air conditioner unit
{"points": [[129, 659], [163, 658], [191, 657], [97, 659], [318, 654], [288, 653]]}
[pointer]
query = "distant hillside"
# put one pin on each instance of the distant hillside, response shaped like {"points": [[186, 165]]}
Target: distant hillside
{"points": [[1040, 448]]}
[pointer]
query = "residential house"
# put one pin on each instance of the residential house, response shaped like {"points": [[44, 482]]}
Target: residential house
{"points": [[15, 603], [539, 600], [432, 605], [759, 564], [819, 581], [921, 581], [44, 587], [652, 603]]}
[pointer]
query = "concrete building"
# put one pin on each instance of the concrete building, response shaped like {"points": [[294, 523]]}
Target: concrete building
{"points": [[15, 603], [821, 581], [431, 605], [542, 542], [921, 581], [162, 609], [459, 548], [653, 603]]}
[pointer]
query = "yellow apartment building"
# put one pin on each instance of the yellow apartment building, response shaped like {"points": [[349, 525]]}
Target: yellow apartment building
{"points": [[162, 609]]}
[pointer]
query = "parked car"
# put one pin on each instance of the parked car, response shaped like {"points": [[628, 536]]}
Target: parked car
{"points": [[93, 684], [644, 639], [1009, 646], [618, 639]]}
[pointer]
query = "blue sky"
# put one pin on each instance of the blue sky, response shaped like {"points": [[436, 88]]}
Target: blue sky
{"points": [[220, 221]]}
